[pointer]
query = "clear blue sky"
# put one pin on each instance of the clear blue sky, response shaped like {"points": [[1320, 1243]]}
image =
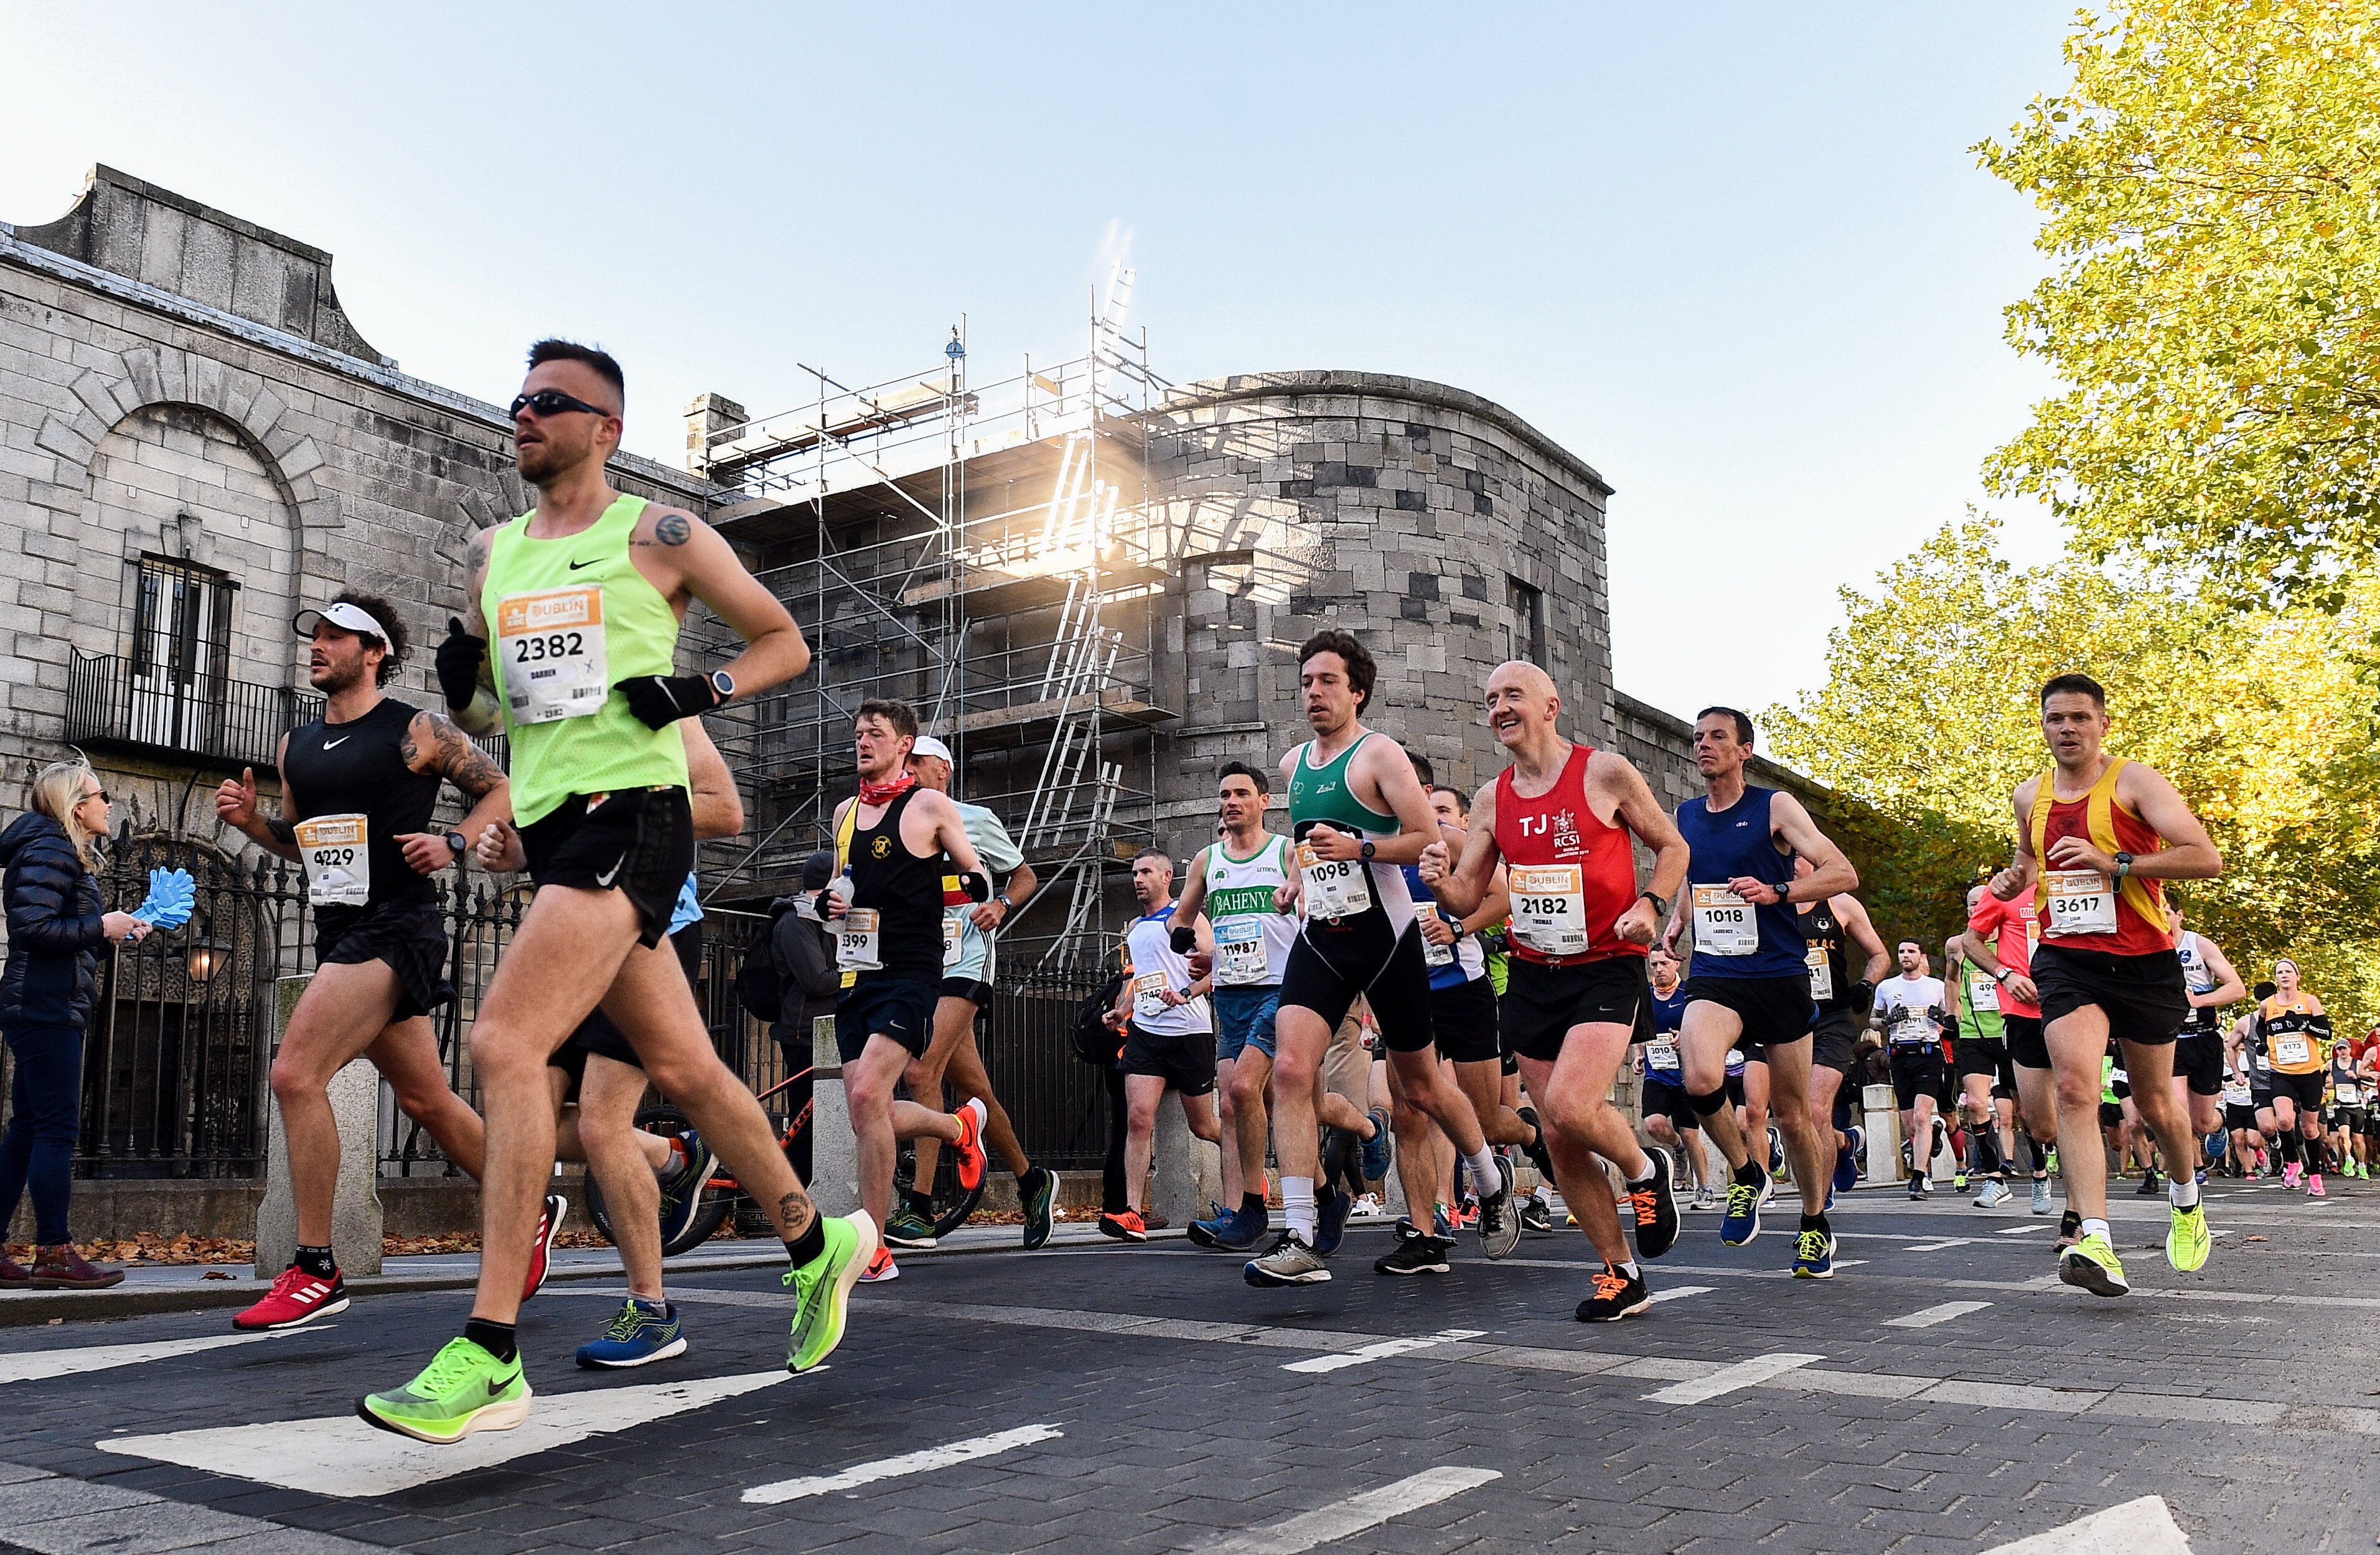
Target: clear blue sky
{"points": [[1738, 257]]}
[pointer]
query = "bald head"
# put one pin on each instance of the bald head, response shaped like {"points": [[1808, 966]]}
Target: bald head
{"points": [[1523, 708]]}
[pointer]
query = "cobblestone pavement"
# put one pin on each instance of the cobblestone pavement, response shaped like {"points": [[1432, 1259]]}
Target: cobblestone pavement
{"points": [[1942, 1393]]}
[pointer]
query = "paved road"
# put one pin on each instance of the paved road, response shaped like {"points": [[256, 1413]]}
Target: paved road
{"points": [[1942, 1393]]}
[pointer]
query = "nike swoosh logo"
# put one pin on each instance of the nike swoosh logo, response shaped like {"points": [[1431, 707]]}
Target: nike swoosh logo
{"points": [[342, 739], [608, 875], [576, 566]]}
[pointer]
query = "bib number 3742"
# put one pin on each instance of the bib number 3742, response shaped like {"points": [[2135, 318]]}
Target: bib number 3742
{"points": [[551, 648], [1724, 923]]}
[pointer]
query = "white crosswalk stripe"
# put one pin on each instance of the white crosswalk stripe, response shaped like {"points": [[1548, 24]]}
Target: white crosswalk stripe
{"points": [[36, 1365], [923, 1462], [1345, 1519]]}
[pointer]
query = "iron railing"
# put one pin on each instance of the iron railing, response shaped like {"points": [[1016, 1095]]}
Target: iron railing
{"points": [[113, 703]]}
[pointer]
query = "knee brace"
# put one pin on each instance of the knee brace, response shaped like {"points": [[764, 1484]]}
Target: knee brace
{"points": [[1709, 1105]]}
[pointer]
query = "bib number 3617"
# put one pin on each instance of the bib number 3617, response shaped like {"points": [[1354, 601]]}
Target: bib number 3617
{"points": [[2080, 902]]}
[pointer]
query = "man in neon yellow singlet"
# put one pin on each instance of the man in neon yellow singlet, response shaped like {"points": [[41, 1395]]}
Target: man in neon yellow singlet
{"points": [[582, 597]]}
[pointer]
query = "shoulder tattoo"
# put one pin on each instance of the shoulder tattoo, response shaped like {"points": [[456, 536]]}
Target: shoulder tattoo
{"points": [[453, 756], [672, 528]]}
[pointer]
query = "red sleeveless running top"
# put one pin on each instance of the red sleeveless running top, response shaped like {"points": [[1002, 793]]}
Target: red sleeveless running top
{"points": [[1544, 839], [2101, 819]]}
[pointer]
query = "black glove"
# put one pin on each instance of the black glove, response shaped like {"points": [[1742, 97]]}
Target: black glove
{"points": [[661, 700], [977, 883], [459, 657], [1491, 942], [1863, 996], [1186, 939]]}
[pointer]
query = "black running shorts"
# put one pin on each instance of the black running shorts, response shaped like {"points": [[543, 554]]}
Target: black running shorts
{"points": [[1542, 1004], [1835, 1043], [2025, 1041], [975, 991], [1775, 1011], [2144, 997], [409, 938], [2239, 1115], [638, 842], [1917, 1070], [901, 1008], [1184, 1060], [2112, 1114], [1986, 1058], [1464, 1017], [1663, 1098], [2305, 1091], [1330, 965], [2198, 1058]]}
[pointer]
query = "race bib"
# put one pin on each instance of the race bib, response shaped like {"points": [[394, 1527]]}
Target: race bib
{"points": [[1911, 1026], [1148, 995], [954, 934], [2237, 1094], [1433, 953], [1334, 887], [1982, 992], [550, 645], [1549, 909], [1239, 953], [2080, 902], [855, 941], [2291, 1047], [338, 853], [1724, 923], [1822, 974], [2350, 1096], [1662, 1056]]}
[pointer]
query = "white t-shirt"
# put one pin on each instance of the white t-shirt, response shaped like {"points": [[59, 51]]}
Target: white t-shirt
{"points": [[1902, 1004]]}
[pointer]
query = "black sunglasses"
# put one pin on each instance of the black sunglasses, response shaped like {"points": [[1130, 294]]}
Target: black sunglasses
{"points": [[553, 402], [100, 795]]}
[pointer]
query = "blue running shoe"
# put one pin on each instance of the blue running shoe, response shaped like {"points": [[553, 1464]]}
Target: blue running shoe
{"points": [[682, 1190], [1741, 1224], [1209, 1232], [1380, 1150], [641, 1333], [1814, 1255], [1241, 1230], [1331, 1221], [1847, 1163]]}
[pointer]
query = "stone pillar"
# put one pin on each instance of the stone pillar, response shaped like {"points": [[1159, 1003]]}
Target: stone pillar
{"points": [[708, 417], [1883, 1136], [835, 1151], [356, 1211], [1173, 1186]]}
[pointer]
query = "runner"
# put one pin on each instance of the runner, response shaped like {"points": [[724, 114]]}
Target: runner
{"points": [[1169, 1032], [1908, 1011], [2346, 1113], [967, 971], [1749, 977], [1560, 817], [2239, 1115], [2297, 1038], [1999, 939], [1356, 813], [1831, 927], [1979, 1054], [585, 592], [2198, 1066], [359, 786], [2250, 1052], [1669, 1119], [2098, 833], [892, 843]]}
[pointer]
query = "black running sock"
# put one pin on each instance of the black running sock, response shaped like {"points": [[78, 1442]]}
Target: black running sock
{"points": [[2289, 1147], [1751, 1173], [1252, 1203], [1817, 1223], [1987, 1153], [320, 1262], [918, 1204], [2040, 1156], [1027, 1175], [805, 1249], [496, 1339]]}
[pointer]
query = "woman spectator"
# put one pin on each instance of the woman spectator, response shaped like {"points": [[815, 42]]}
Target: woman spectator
{"points": [[55, 929]]}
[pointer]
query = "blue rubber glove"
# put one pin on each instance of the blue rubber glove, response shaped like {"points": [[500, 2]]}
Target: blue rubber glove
{"points": [[172, 894]]}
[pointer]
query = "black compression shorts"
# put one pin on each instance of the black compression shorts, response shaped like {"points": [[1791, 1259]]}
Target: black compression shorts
{"points": [[1328, 968], [638, 842]]}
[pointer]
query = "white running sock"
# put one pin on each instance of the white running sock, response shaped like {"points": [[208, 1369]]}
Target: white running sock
{"points": [[1298, 1207], [2183, 1191], [1486, 1178], [2095, 1228], [1629, 1269]]}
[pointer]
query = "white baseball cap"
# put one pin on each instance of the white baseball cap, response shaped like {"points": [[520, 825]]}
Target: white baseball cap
{"points": [[345, 616], [929, 746]]}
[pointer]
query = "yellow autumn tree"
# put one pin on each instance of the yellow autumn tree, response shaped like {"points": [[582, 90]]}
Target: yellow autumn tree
{"points": [[2210, 186]]}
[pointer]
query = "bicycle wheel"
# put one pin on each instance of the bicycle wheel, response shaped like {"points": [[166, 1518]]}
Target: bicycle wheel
{"points": [[717, 1204]]}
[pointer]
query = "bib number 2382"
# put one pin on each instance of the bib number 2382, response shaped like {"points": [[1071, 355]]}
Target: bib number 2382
{"points": [[550, 645], [1724, 923]]}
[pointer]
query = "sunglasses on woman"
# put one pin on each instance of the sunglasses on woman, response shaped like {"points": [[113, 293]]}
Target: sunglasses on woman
{"points": [[98, 794], [553, 402]]}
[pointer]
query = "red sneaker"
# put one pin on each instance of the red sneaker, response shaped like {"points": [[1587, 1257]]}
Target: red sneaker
{"points": [[970, 1145], [881, 1267], [540, 1254], [296, 1298], [1125, 1227]]}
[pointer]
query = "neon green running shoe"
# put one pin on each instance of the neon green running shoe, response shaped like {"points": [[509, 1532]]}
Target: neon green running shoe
{"points": [[2188, 1243], [463, 1388], [2092, 1265], [825, 1287]]}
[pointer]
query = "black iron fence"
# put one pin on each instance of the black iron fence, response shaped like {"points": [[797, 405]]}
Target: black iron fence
{"points": [[177, 1077]]}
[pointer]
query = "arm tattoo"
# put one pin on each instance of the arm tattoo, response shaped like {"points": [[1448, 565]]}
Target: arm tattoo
{"points": [[454, 758], [795, 1213], [671, 528], [281, 832]]}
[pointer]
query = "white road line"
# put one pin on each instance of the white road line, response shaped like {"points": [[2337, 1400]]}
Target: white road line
{"points": [[1680, 1292], [1930, 1315], [1293, 1535], [2019, 1231], [41, 1364], [923, 1462], [2141, 1527], [339, 1455], [1937, 1244], [1728, 1379], [1382, 1350]]}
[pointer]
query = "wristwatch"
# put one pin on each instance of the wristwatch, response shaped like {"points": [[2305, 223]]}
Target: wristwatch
{"points": [[1661, 906], [1367, 850], [723, 683], [1006, 906], [455, 841], [1784, 894], [2001, 976], [1456, 924], [2123, 864]]}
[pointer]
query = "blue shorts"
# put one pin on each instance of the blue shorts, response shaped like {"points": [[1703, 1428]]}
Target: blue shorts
{"points": [[1243, 1018]]}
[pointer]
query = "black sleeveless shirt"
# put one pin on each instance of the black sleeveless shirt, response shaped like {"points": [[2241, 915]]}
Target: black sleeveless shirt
{"points": [[357, 768], [905, 890], [1821, 931]]}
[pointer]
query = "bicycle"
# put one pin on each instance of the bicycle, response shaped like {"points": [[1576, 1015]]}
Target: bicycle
{"points": [[723, 1197]]}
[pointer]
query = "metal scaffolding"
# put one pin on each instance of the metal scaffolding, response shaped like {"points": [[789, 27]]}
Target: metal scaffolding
{"points": [[985, 552]]}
